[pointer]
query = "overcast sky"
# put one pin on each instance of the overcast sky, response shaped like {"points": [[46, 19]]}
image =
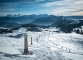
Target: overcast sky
{"points": [[55, 7]]}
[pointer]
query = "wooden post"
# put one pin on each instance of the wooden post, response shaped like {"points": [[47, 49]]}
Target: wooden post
{"points": [[39, 36], [81, 31], [37, 39], [31, 41], [66, 49], [69, 50], [25, 44]]}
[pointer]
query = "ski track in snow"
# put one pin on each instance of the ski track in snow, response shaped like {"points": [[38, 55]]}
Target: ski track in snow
{"points": [[50, 46]]}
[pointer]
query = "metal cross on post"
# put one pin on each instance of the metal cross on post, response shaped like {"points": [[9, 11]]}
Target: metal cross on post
{"points": [[25, 44]]}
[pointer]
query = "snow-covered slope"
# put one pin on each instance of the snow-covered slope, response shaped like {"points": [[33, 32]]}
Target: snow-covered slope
{"points": [[50, 46]]}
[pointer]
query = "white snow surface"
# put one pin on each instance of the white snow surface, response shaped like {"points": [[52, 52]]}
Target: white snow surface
{"points": [[50, 46]]}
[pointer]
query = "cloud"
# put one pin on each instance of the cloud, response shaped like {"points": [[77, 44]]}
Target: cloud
{"points": [[78, 13], [65, 7], [56, 7]]}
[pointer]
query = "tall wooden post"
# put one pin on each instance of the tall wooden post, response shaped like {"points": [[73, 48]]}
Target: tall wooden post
{"points": [[25, 44], [31, 41]]}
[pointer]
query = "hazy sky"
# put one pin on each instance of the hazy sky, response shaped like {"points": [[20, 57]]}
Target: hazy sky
{"points": [[55, 7]]}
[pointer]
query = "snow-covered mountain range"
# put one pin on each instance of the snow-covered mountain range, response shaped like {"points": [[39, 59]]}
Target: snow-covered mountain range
{"points": [[65, 23]]}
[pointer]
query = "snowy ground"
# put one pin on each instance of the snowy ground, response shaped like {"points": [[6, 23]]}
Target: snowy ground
{"points": [[50, 46]]}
